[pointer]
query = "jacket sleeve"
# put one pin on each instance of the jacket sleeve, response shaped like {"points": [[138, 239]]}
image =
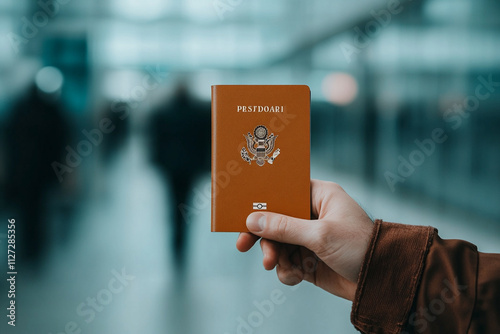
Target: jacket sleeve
{"points": [[412, 281]]}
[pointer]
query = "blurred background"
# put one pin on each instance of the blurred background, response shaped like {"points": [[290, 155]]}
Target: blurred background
{"points": [[109, 192]]}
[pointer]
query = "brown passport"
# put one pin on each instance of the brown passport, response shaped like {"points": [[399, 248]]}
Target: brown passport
{"points": [[260, 153]]}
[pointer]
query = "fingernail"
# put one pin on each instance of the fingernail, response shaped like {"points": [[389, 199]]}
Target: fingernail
{"points": [[256, 223]]}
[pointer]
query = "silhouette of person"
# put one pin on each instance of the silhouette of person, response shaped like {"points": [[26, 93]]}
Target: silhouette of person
{"points": [[35, 136], [116, 112], [180, 145]]}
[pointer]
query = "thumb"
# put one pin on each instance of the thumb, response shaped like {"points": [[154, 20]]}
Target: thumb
{"points": [[283, 228]]}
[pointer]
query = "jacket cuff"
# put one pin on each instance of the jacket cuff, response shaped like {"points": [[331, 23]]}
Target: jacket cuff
{"points": [[390, 276]]}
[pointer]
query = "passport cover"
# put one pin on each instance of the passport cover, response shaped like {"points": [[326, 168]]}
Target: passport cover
{"points": [[260, 153]]}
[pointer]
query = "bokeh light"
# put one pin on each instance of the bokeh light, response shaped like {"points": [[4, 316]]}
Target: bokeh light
{"points": [[49, 80], [340, 88]]}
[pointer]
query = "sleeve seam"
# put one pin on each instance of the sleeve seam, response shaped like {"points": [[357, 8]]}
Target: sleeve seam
{"points": [[417, 279], [362, 275], [475, 291]]}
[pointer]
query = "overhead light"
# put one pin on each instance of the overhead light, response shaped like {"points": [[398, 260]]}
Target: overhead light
{"points": [[49, 80], [140, 10]]}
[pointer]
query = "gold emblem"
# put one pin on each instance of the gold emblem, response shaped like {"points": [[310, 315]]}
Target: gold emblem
{"points": [[260, 145]]}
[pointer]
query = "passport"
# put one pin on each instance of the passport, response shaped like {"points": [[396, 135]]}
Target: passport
{"points": [[260, 153]]}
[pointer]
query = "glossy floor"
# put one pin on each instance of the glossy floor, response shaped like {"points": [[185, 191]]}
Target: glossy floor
{"points": [[117, 275]]}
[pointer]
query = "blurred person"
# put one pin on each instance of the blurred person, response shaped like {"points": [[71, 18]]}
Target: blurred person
{"points": [[180, 147], [35, 136], [401, 278], [117, 113]]}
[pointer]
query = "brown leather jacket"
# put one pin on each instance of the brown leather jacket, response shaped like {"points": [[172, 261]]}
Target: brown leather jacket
{"points": [[412, 281]]}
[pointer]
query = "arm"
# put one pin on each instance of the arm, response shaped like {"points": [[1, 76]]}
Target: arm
{"points": [[401, 278], [440, 285]]}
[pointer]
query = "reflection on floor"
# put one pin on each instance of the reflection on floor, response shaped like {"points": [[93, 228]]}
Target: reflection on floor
{"points": [[116, 275]]}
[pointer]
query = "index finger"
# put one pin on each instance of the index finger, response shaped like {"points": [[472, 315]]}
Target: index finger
{"points": [[246, 241]]}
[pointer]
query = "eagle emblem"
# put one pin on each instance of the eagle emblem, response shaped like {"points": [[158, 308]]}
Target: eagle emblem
{"points": [[260, 145]]}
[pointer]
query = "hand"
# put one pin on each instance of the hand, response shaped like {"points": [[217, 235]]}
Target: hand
{"points": [[327, 251]]}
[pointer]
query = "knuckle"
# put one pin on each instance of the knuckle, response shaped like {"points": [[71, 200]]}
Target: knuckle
{"points": [[335, 187], [281, 226]]}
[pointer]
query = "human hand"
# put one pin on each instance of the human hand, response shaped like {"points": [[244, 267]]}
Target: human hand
{"points": [[327, 251]]}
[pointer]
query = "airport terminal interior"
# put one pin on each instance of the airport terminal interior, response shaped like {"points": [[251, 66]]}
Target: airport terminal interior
{"points": [[105, 148]]}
